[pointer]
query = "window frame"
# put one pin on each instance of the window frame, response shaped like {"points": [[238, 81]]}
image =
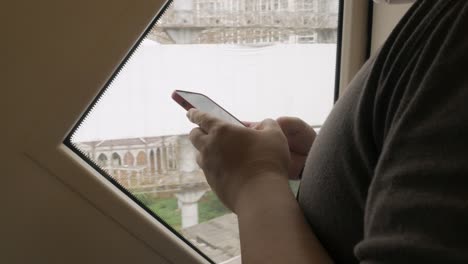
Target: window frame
{"points": [[344, 6], [67, 142]]}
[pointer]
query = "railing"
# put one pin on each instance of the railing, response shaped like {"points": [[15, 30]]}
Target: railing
{"points": [[143, 180]]}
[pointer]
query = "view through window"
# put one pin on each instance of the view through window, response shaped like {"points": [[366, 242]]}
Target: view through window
{"points": [[256, 58]]}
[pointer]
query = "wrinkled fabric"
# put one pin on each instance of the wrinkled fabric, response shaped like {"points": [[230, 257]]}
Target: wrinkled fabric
{"points": [[386, 181]]}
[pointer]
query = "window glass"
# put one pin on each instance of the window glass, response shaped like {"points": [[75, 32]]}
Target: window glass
{"points": [[256, 58]]}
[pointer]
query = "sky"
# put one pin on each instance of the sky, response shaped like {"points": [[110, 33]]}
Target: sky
{"points": [[252, 83]]}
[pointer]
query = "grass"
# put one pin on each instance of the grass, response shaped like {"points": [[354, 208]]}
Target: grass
{"points": [[167, 210], [209, 207]]}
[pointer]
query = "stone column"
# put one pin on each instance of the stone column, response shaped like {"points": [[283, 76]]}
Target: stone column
{"points": [[184, 14], [186, 155], [291, 5], [117, 176], [164, 158], [175, 152], [93, 152], [138, 175], [129, 178], [188, 199], [148, 160], [110, 165]]}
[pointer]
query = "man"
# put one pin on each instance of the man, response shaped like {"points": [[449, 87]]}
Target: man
{"points": [[384, 182]]}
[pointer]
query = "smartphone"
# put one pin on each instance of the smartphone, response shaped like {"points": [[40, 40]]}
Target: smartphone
{"points": [[189, 100]]}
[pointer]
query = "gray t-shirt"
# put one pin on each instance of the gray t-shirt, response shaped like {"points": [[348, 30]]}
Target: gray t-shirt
{"points": [[386, 180]]}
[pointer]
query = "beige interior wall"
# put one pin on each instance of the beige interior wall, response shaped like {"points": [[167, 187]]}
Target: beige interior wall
{"points": [[354, 39], [384, 21], [56, 209], [355, 35]]}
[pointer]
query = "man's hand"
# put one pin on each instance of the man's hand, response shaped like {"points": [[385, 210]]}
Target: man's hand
{"points": [[248, 169], [300, 138], [233, 157]]}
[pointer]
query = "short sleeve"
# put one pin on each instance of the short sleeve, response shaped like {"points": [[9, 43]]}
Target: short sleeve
{"points": [[417, 204]]}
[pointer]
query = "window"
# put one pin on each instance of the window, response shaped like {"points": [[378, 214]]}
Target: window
{"points": [[263, 61]]}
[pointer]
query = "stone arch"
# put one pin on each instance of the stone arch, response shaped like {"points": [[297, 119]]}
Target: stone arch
{"points": [[116, 160], [102, 160], [141, 159], [129, 160]]}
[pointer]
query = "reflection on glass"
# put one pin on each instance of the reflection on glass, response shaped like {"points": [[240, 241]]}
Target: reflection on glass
{"points": [[257, 58]]}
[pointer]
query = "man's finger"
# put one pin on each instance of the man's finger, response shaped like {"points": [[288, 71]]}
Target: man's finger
{"points": [[198, 138], [291, 125], [267, 123], [199, 160], [250, 124], [205, 121]]}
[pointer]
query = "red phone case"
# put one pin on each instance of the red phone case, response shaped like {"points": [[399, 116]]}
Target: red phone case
{"points": [[181, 101]]}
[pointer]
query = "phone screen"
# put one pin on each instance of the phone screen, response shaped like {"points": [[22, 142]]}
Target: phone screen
{"points": [[205, 104]]}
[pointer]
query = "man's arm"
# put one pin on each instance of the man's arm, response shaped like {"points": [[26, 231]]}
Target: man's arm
{"points": [[272, 226], [417, 206]]}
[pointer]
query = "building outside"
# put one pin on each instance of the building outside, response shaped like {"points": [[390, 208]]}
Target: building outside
{"points": [[157, 166], [165, 166], [140, 162], [248, 22]]}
